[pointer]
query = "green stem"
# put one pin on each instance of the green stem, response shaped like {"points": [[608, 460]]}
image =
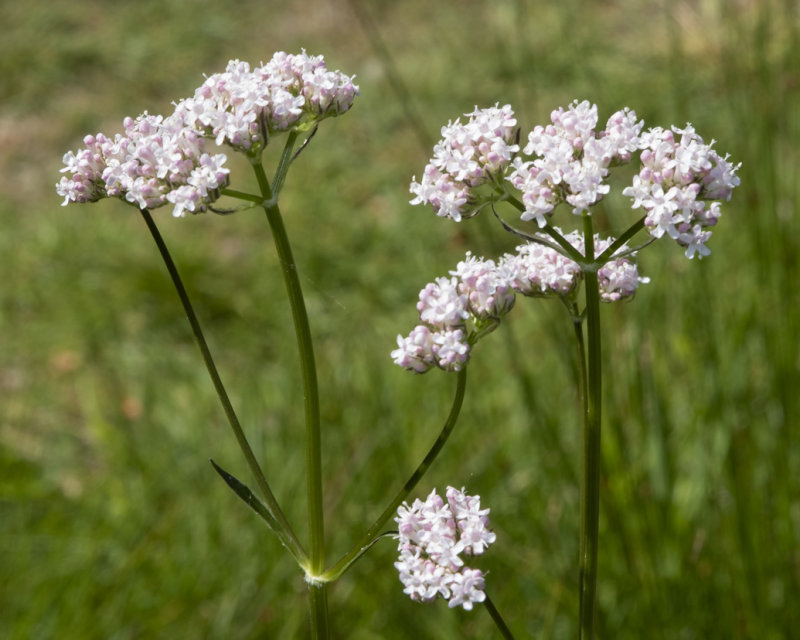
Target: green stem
{"points": [[590, 494], [242, 195], [568, 249], [342, 565], [311, 401], [283, 164], [497, 618], [284, 532], [318, 607], [577, 326], [627, 235]]}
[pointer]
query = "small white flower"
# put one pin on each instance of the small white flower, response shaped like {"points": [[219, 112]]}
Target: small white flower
{"points": [[467, 589]]}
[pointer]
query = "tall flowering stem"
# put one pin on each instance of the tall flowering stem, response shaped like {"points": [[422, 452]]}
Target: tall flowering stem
{"points": [[482, 162], [164, 160], [311, 399], [590, 494]]}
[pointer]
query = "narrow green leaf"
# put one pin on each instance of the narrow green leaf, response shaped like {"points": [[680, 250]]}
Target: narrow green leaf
{"points": [[252, 501]]}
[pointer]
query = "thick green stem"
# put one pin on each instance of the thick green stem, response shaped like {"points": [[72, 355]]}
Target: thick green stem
{"points": [[590, 494], [318, 607], [340, 567], [284, 532], [311, 402]]}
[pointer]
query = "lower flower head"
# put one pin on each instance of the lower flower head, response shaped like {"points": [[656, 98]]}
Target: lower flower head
{"points": [[432, 536], [539, 270]]}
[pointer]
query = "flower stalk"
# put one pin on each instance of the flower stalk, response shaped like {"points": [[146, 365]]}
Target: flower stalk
{"points": [[498, 620], [318, 596], [373, 532], [590, 490]]}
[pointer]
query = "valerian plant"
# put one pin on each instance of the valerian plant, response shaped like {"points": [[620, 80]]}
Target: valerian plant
{"points": [[169, 160], [478, 164]]}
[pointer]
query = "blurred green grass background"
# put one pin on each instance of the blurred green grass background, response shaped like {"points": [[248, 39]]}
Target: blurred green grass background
{"points": [[112, 522]]}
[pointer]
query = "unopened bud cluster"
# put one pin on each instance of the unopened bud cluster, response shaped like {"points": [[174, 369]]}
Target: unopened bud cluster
{"points": [[162, 160], [433, 535]]}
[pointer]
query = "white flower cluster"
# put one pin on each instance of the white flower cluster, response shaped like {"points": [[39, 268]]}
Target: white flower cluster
{"points": [[486, 286], [571, 161], [242, 107], [432, 536], [680, 184], [468, 156], [537, 270], [567, 161], [457, 311], [162, 160], [158, 160], [618, 278], [452, 311]]}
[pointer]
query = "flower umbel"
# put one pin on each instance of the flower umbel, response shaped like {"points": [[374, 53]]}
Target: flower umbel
{"points": [[680, 183], [538, 270], [162, 160], [432, 537], [455, 312], [241, 107]]}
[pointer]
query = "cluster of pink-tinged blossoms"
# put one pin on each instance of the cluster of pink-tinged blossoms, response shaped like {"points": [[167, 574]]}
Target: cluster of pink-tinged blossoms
{"points": [[456, 311], [161, 160], [478, 163], [680, 185], [467, 157], [433, 535]]}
